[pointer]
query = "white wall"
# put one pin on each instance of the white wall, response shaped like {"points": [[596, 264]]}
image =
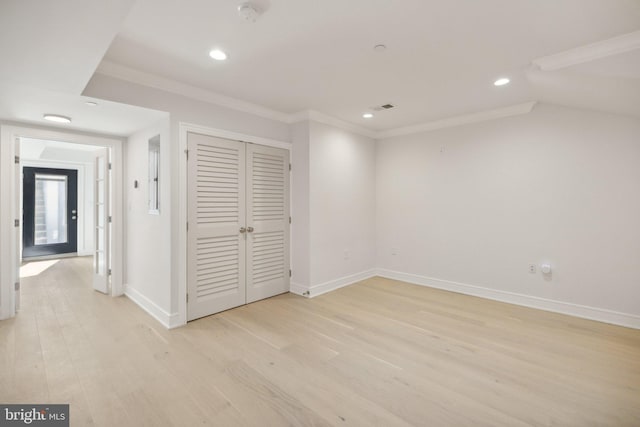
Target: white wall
{"points": [[474, 205], [300, 249], [182, 110], [342, 203], [148, 236]]}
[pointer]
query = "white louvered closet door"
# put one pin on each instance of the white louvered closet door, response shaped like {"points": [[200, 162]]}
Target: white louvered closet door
{"points": [[268, 222], [216, 215]]}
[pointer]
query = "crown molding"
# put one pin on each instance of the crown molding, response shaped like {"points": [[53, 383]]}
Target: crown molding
{"points": [[326, 119], [132, 75], [122, 72], [481, 116], [590, 52]]}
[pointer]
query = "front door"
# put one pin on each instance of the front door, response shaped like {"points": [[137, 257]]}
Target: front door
{"points": [[50, 210]]}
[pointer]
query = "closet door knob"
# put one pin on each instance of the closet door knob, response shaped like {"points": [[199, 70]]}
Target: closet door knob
{"points": [[242, 229], [250, 229]]}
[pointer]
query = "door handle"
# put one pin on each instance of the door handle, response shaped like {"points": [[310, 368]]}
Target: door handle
{"points": [[250, 229], [242, 229]]}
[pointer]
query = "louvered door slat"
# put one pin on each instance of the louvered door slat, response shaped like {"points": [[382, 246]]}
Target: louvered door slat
{"points": [[268, 214], [216, 211]]}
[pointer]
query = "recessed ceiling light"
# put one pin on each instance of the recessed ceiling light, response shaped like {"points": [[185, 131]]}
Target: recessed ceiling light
{"points": [[501, 81], [379, 48], [56, 118], [218, 55], [91, 103], [367, 115]]}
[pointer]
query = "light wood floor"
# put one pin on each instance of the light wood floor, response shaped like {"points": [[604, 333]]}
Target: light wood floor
{"points": [[378, 353]]}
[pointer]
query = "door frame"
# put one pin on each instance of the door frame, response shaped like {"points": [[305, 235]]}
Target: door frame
{"points": [[183, 129], [9, 187], [82, 188]]}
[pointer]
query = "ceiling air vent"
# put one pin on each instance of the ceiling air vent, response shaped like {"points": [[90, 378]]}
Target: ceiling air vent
{"points": [[383, 107]]}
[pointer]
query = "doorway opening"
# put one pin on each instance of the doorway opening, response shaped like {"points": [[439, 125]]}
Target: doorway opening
{"points": [[64, 194], [65, 203]]}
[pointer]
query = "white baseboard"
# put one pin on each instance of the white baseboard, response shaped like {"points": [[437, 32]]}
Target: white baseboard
{"points": [[168, 320], [332, 285], [298, 289], [583, 311]]}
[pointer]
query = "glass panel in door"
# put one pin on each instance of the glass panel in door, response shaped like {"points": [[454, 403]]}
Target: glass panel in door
{"points": [[50, 219]]}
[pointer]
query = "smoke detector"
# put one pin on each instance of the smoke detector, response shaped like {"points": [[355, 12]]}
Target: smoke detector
{"points": [[249, 12]]}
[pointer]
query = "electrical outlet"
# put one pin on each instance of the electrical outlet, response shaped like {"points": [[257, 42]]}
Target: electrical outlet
{"points": [[346, 254], [394, 251], [532, 268]]}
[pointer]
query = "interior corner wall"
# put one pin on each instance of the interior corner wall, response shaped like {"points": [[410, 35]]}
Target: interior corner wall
{"points": [[147, 272], [475, 205], [342, 207], [300, 249]]}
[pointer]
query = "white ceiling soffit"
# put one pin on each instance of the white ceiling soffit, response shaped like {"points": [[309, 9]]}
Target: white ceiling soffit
{"points": [[122, 72], [602, 76], [28, 104], [57, 45], [590, 52]]}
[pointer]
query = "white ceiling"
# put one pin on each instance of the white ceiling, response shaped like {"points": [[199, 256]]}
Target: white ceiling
{"points": [[38, 149], [50, 50], [56, 45], [28, 104], [441, 60]]}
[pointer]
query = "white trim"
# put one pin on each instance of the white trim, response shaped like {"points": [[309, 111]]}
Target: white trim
{"points": [[481, 116], [298, 289], [332, 285], [583, 311], [326, 119], [183, 130], [125, 73], [9, 132], [81, 168], [8, 242], [590, 52], [227, 134], [122, 72], [168, 320]]}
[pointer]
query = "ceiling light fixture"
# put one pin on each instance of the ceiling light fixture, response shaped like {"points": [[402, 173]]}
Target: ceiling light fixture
{"points": [[367, 115], [91, 103], [57, 118], [379, 48], [501, 81], [218, 55]]}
